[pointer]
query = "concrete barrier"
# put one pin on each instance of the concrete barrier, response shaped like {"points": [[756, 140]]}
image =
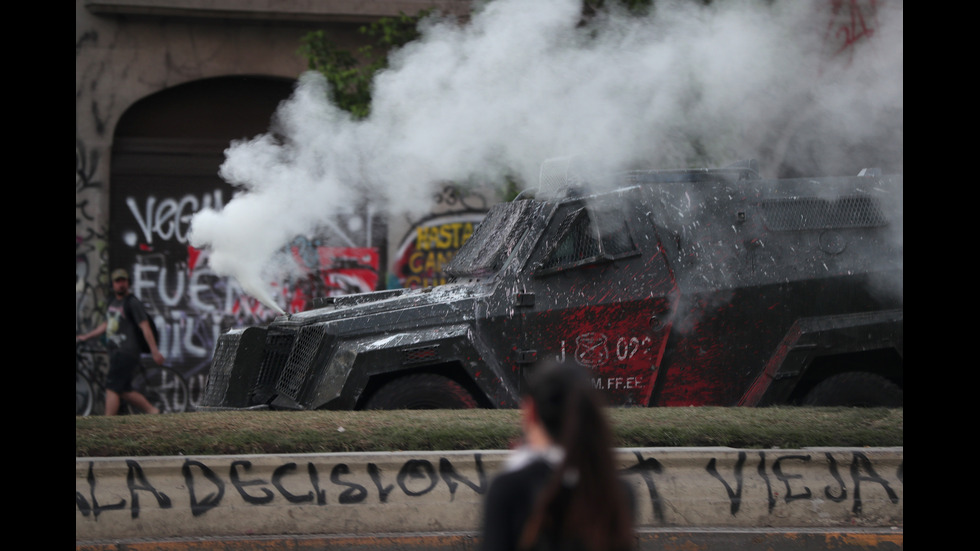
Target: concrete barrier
{"points": [[434, 499]]}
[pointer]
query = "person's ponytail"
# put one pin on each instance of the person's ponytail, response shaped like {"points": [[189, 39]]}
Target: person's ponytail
{"points": [[584, 500]]}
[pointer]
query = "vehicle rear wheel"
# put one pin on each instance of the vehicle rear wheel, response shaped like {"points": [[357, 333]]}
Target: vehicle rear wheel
{"points": [[422, 391], [855, 389]]}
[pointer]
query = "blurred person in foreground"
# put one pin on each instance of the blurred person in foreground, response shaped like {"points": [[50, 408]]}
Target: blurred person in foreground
{"points": [[560, 490]]}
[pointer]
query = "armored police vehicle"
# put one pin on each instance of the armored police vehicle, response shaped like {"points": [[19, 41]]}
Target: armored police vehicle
{"points": [[673, 287]]}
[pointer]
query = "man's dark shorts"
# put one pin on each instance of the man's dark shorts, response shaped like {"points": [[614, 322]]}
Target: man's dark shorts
{"points": [[122, 365]]}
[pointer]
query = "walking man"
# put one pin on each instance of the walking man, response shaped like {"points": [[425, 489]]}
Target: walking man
{"points": [[125, 316]]}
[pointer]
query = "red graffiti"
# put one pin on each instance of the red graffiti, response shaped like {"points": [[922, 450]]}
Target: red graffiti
{"points": [[850, 22]]}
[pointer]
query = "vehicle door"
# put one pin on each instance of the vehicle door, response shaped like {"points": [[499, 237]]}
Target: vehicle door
{"points": [[598, 292]]}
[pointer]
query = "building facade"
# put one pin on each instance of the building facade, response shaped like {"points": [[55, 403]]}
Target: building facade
{"points": [[162, 87]]}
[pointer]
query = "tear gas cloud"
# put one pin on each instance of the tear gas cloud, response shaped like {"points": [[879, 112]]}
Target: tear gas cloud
{"points": [[522, 82]]}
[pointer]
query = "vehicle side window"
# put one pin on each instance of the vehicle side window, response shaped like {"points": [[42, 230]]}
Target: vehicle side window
{"points": [[587, 236]]}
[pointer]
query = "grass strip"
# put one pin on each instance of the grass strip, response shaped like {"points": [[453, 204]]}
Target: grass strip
{"points": [[260, 432]]}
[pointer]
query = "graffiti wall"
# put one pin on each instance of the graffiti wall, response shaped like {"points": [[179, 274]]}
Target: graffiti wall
{"points": [[91, 270], [408, 492], [425, 252], [191, 304], [850, 22], [330, 271], [429, 243]]}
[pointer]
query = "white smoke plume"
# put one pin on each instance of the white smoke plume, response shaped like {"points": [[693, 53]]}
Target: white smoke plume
{"points": [[796, 84]]}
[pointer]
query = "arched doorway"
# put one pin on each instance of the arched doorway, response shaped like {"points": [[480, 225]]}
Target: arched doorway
{"points": [[167, 151]]}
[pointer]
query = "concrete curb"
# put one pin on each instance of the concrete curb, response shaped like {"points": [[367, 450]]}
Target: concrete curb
{"points": [[434, 499], [647, 540]]}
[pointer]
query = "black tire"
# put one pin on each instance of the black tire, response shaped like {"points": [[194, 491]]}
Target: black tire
{"points": [[855, 389], [422, 391], [84, 395], [164, 387]]}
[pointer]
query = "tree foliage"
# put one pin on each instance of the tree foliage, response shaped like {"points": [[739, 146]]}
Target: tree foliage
{"points": [[350, 73]]}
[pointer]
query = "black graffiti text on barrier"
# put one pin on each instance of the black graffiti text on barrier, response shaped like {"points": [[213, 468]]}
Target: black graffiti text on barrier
{"points": [[861, 471], [91, 506], [206, 489], [646, 468], [209, 501]]}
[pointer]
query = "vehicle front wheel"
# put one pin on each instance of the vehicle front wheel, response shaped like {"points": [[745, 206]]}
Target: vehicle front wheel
{"points": [[855, 389], [422, 391]]}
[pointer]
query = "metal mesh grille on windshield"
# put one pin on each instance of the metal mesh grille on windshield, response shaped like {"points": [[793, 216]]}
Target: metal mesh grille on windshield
{"points": [[578, 241], [493, 240]]}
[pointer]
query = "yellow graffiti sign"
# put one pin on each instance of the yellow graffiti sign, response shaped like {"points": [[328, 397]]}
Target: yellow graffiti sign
{"points": [[450, 236], [435, 245]]}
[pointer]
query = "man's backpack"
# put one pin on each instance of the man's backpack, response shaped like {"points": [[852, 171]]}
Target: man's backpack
{"points": [[140, 339]]}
